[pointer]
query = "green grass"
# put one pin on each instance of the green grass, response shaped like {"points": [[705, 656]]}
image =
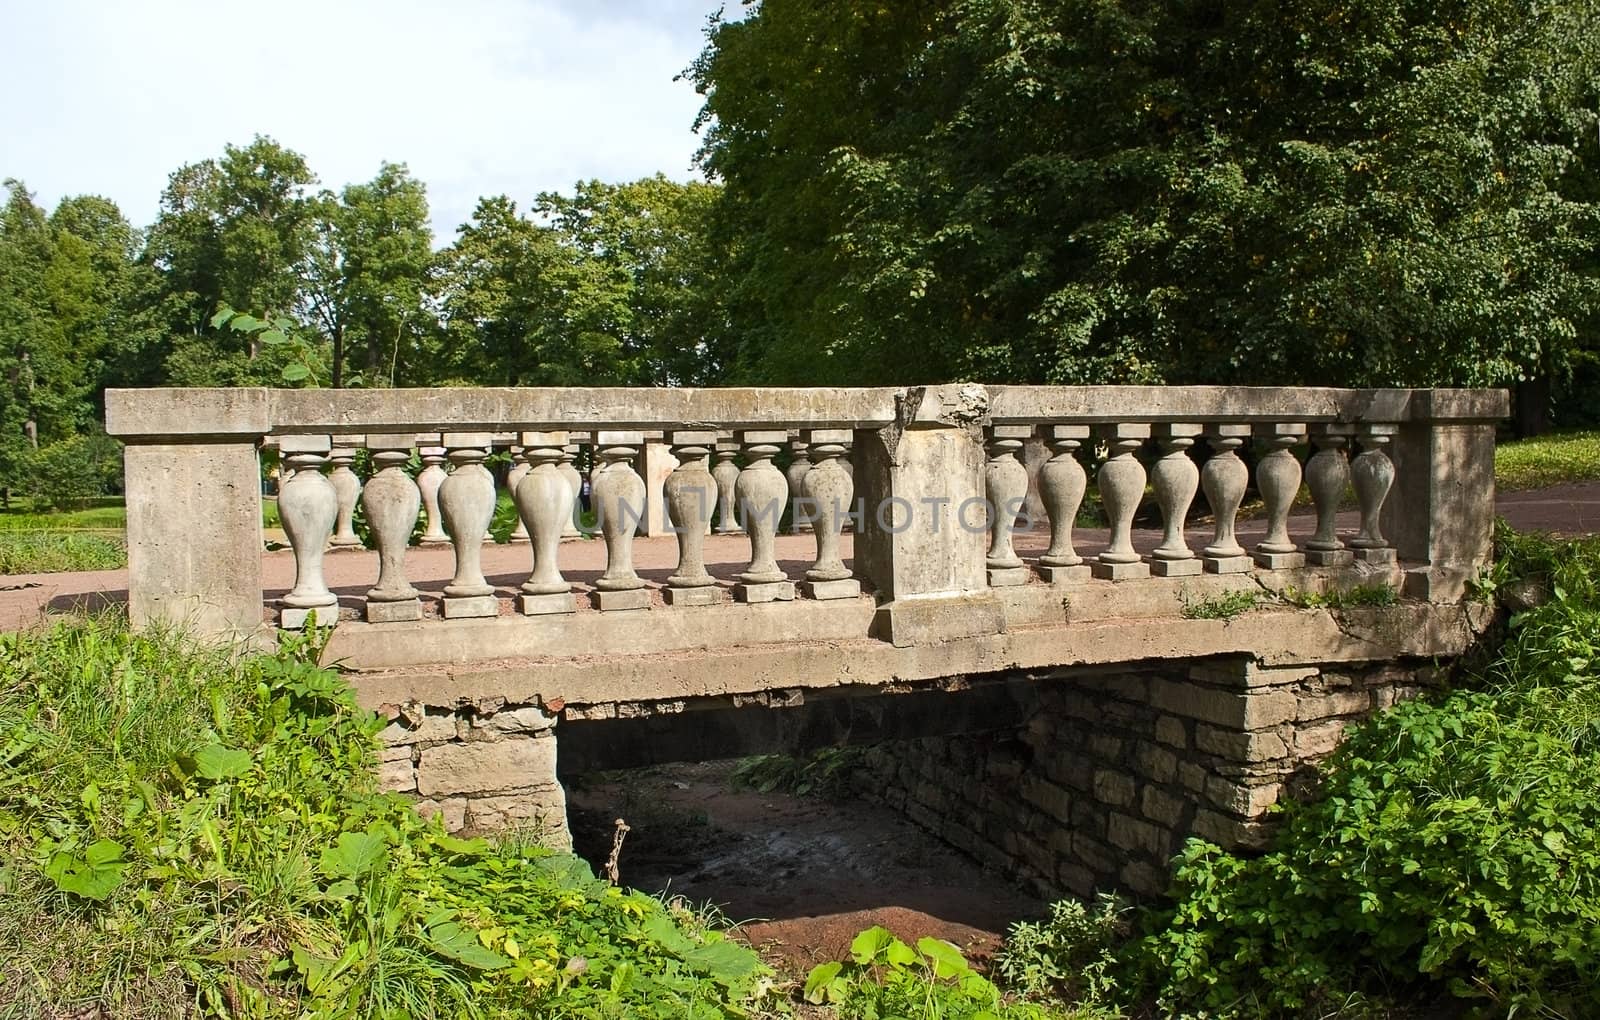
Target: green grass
{"points": [[185, 834], [1221, 607], [47, 552], [1547, 460]]}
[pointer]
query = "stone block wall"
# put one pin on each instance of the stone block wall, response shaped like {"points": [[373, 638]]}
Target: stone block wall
{"points": [[484, 766], [1115, 769]]}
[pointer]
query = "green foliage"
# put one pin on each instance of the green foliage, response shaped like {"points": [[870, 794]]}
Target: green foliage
{"points": [[1377, 594], [304, 359], [825, 773], [1084, 192], [1454, 849], [45, 552], [885, 978], [1547, 460], [1225, 606], [188, 834], [1071, 954]]}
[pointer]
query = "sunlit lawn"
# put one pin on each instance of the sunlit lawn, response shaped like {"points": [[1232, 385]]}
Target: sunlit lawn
{"points": [[1548, 460]]}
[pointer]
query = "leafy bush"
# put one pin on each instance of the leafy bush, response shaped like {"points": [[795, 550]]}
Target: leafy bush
{"points": [[1455, 847], [186, 835], [825, 772], [1071, 954], [886, 978], [70, 473]]}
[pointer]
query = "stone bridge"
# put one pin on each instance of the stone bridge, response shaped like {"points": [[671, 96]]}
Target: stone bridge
{"points": [[905, 568]]}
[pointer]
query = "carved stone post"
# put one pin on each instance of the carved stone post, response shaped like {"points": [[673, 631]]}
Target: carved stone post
{"points": [[519, 471], [691, 495], [466, 504], [569, 471], [619, 494], [1327, 474], [801, 520], [1224, 479], [762, 493], [727, 475], [1175, 479], [544, 504], [830, 491], [1062, 483], [1005, 486], [429, 479], [1278, 477], [308, 505], [391, 501], [1373, 474], [347, 487], [1121, 482]]}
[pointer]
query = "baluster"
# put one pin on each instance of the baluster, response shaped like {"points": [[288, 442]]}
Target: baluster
{"points": [[429, 479], [1278, 477], [519, 470], [727, 475], [1175, 479], [466, 505], [761, 493], [1062, 483], [618, 495], [1121, 482], [830, 491], [569, 471], [1327, 475], [392, 501], [347, 487], [1005, 485], [800, 520], [1373, 473], [691, 494], [308, 505], [1224, 479], [544, 503]]}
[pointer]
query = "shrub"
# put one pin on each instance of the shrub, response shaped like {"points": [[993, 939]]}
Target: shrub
{"points": [[1071, 954], [186, 835]]}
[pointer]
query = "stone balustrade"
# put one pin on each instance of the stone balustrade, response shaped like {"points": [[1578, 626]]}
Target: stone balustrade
{"points": [[932, 482]]}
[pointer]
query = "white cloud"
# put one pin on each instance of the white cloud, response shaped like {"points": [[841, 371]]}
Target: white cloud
{"points": [[477, 96]]}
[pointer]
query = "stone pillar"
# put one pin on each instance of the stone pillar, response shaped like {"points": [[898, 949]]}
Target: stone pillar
{"points": [[466, 504], [619, 500], [762, 493], [391, 501], [920, 539], [347, 487], [544, 504], [726, 474], [656, 462], [1005, 485], [1278, 478], [1175, 479], [308, 505], [830, 490], [519, 471], [691, 495], [429, 479], [800, 520], [1327, 475], [1224, 479], [1062, 483], [1121, 482], [1373, 474], [569, 471]]}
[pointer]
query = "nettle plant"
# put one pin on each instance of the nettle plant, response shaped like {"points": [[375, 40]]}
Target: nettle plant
{"points": [[884, 977], [304, 361]]}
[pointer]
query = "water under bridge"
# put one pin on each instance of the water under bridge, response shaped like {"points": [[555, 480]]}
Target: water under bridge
{"points": [[912, 568]]}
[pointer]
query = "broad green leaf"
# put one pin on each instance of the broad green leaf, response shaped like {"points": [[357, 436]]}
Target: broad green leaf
{"points": [[273, 337], [461, 945], [355, 854], [819, 979], [223, 315], [727, 962], [947, 959], [92, 876], [295, 371], [217, 762], [865, 947]]}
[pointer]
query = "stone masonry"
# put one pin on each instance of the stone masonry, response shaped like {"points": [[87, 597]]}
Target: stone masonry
{"points": [[483, 766], [1116, 768]]}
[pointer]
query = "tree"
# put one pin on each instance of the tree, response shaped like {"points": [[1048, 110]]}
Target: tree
{"points": [[368, 273], [1367, 193]]}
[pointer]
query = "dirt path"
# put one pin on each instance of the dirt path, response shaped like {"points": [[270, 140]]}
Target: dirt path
{"points": [[802, 875]]}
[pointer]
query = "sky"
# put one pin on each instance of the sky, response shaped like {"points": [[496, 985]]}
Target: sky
{"points": [[477, 97]]}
